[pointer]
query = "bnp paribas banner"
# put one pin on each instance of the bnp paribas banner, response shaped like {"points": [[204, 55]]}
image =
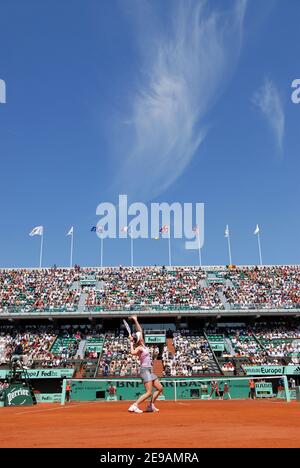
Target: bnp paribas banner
{"points": [[272, 370], [43, 373]]}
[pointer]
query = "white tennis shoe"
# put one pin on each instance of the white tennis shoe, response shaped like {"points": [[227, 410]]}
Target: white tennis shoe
{"points": [[134, 409], [152, 409]]}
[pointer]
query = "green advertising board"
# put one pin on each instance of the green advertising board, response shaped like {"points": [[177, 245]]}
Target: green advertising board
{"points": [[264, 390], [272, 370], [94, 347], [217, 346], [48, 397], [155, 339], [97, 389], [18, 395], [43, 373]]}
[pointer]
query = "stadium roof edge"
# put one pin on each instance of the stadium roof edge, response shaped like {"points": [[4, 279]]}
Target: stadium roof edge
{"points": [[204, 267], [153, 314]]}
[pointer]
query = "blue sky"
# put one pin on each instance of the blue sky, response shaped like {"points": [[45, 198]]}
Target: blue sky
{"points": [[163, 100]]}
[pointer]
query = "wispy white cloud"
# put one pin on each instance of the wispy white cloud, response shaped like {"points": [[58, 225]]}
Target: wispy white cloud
{"points": [[185, 66], [268, 100]]}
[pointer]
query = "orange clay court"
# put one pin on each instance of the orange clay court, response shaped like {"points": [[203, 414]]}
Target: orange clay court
{"points": [[182, 424]]}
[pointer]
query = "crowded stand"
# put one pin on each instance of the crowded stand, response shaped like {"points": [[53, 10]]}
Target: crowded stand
{"points": [[191, 353], [155, 288], [280, 341], [35, 343], [245, 344], [38, 290], [264, 344], [152, 287], [192, 356], [273, 287], [228, 367], [93, 299], [39, 346]]}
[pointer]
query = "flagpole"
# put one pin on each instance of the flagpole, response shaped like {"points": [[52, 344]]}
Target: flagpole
{"points": [[71, 254], [131, 241], [41, 249], [200, 258], [170, 260], [259, 248], [101, 251], [229, 248]]}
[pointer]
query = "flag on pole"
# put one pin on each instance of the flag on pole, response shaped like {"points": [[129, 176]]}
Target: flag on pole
{"points": [[164, 229], [71, 233], [99, 230], [37, 231], [257, 233], [227, 231]]}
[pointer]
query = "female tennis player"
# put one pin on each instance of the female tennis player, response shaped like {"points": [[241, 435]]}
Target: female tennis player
{"points": [[149, 379]]}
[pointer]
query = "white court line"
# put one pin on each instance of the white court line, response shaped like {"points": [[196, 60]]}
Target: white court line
{"points": [[86, 403], [61, 407]]}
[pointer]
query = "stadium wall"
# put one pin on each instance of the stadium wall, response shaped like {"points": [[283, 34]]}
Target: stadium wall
{"points": [[185, 389]]}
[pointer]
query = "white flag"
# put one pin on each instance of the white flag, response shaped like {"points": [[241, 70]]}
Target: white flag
{"points": [[70, 233], [37, 231], [256, 230], [227, 231]]}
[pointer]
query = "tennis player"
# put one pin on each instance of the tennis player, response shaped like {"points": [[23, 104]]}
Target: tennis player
{"points": [[150, 380]]}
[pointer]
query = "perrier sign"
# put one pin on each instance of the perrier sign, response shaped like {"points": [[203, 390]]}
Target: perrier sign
{"points": [[18, 395]]}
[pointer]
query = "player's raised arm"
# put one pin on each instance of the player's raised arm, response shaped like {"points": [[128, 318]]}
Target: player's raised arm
{"points": [[136, 322]]}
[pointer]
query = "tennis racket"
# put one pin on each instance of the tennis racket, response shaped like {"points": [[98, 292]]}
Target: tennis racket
{"points": [[127, 327]]}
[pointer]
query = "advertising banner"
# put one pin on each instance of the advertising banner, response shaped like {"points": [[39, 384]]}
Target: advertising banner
{"points": [[217, 346], [155, 339], [272, 370], [43, 373]]}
